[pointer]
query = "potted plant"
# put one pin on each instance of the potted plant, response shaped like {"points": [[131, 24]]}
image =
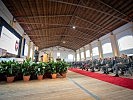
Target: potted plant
{"points": [[10, 70], [53, 69], [48, 70], [26, 69], [2, 74], [63, 67], [40, 70]]}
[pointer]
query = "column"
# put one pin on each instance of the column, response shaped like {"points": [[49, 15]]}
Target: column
{"points": [[79, 55], [29, 45], [33, 49], [100, 49], [22, 46], [75, 56], [114, 44], [90, 48], [84, 53]]}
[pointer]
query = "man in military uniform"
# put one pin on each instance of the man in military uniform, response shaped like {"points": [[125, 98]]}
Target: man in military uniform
{"points": [[122, 64]]}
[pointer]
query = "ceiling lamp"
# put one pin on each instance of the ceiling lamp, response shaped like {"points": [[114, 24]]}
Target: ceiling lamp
{"points": [[74, 27], [64, 42]]}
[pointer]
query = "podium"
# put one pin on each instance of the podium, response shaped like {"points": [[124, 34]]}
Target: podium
{"points": [[45, 58]]}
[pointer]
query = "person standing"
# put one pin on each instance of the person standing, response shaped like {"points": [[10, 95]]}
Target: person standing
{"points": [[36, 54]]}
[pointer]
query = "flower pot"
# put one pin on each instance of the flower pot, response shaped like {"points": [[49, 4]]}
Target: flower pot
{"points": [[54, 76], [40, 77], [63, 75], [26, 78], [10, 79]]}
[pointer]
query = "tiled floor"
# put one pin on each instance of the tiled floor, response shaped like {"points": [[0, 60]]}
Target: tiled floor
{"points": [[74, 87]]}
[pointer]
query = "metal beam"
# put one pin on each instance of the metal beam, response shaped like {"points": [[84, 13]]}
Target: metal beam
{"points": [[82, 6], [17, 17]]}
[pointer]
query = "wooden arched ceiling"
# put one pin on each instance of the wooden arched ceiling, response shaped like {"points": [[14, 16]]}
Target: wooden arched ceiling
{"points": [[49, 22]]}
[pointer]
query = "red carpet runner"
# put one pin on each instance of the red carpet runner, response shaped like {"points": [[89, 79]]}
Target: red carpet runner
{"points": [[124, 82]]}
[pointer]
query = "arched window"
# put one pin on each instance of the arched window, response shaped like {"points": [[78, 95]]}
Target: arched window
{"points": [[95, 51], [125, 42], [87, 53], [107, 48], [78, 58], [70, 57], [82, 55], [26, 50], [58, 54]]}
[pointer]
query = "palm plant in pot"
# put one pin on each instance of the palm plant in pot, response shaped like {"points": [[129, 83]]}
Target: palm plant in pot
{"points": [[10, 69], [40, 70], [26, 69], [53, 69]]}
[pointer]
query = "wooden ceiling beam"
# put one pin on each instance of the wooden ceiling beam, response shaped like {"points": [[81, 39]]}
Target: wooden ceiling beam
{"points": [[71, 19], [82, 6], [18, 17], [92, 23], [59, 25], [51, 28], [129, 18], [70, 36], [56, 42]]}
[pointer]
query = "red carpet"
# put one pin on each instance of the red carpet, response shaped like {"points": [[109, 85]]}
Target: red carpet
{"points": [[124, 82]]}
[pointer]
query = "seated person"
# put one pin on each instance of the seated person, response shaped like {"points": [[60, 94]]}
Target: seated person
{"points": [[120, 65]]}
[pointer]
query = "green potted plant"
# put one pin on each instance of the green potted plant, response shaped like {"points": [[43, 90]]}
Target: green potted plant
{"points": [[2, 75], [63, 67], [26, 69], [10, 68], [1, 68], [53, 69], [40, 70], [48, 70]]}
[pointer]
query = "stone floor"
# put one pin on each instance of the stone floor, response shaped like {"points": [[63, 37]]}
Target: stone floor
{"points": [[74, 87]]}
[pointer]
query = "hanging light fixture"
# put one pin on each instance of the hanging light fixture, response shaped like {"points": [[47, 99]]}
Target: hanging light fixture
{"points": [[74, 27]]}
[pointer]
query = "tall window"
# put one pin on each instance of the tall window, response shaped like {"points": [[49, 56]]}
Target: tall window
{"points": [[26, 50], [58, 54], [78, 58], [95, 51], [125, 42], [82, 55], [107, 48], [70, 57], [87, 53]]}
